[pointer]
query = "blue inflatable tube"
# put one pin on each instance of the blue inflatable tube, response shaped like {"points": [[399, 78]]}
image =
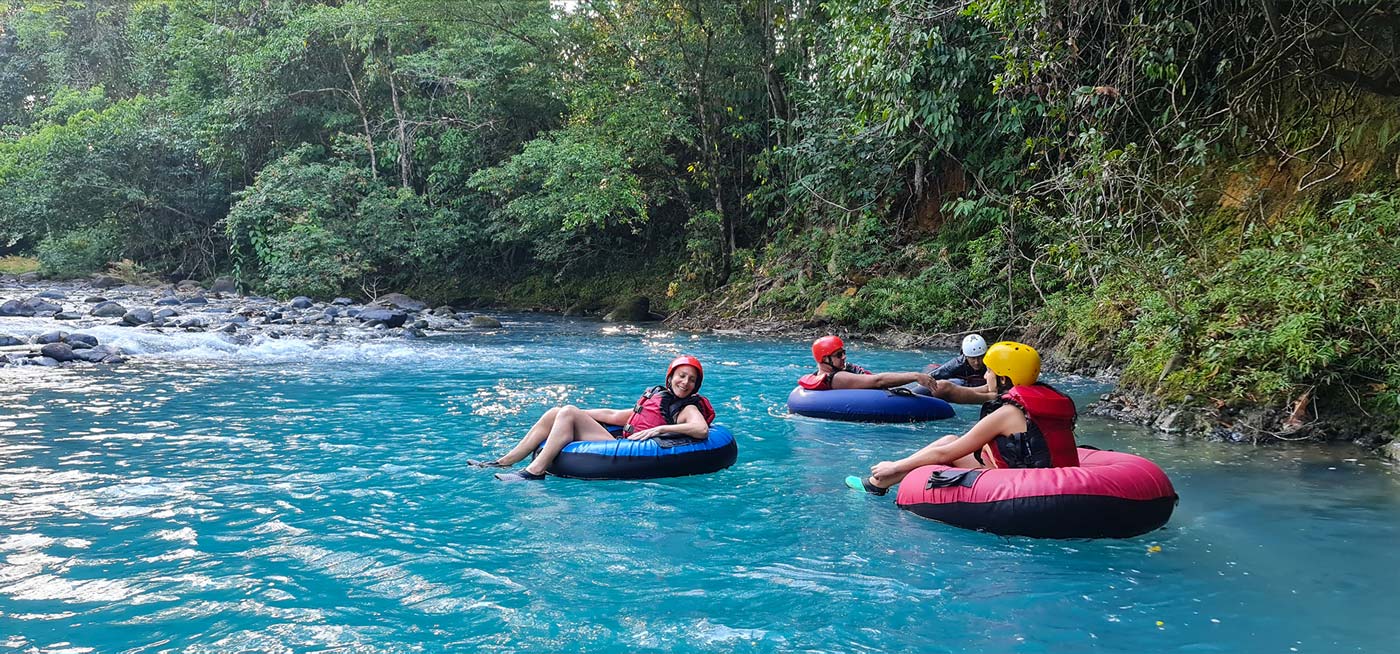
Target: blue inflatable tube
{"points": [[677, 456], [865, 405]]}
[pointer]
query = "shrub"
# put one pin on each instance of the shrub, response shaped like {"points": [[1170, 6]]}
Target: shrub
{"points": [[78, 252]]}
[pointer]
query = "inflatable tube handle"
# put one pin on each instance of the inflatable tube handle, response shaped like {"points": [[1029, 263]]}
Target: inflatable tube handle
{"points": [[949, 478], [900, 391]]}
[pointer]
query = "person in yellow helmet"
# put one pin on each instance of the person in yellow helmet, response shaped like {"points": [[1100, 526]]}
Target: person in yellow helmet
{"points": [[1028, 425]]}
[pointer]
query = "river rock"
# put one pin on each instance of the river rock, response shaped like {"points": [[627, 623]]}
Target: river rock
{"points": [[81, 341], [108, 310], [94, 299], [98, 354], [485, 322], [195, 299], [53, 295], [332, 311], [302, 302], [443, 311], [67, 315], [342, 302], [193, 322], [137, 316], [187, 286], [168, 301], [40, 305], [15, 309], [166, 313], [47, 362], [224, 285], [401, 301], [28, 278], [106, 281], [7, 340], [60, 352], [637, 309], [385, 317], [49, 337]]}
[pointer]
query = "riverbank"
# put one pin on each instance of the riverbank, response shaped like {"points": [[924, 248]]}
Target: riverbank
{"points": [[44, 322]]}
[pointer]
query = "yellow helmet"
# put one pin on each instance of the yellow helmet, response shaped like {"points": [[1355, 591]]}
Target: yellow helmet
{"points": [[1017, 361]]}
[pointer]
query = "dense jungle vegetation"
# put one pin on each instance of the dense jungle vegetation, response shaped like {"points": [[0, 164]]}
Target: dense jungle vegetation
{"points": [[1204, 193]]}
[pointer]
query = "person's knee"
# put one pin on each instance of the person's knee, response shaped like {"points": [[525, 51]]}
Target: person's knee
{"points": [[946, 440], [569, 411]]}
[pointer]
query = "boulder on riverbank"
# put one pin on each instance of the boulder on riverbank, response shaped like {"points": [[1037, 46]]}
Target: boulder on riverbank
{"points": [[485, 322], [635, 309]]}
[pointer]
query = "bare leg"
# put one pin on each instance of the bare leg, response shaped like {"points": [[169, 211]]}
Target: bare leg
{"points": [[965, 462], [570, 424], [532, 438]]}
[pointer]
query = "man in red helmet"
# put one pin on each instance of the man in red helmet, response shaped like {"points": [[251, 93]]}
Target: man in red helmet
{"points": [[677, 408], [834, 372]]}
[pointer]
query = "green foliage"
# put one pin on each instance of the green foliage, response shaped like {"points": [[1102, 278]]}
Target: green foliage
{"points": [[327, 227], [78, 252]]}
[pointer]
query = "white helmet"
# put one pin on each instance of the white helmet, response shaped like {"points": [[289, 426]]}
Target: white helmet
{"points": [[974, 345]]}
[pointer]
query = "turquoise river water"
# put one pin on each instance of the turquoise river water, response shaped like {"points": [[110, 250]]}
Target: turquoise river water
{"points": [[289, 498]]}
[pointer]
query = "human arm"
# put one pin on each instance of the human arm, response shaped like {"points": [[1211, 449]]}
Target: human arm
{"points": [[842, 379], [943, 451], [961, 394], [947, 370], [690, 423], [617, 417]]}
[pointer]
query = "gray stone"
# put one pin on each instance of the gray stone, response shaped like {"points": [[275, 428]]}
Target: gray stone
{"points": [[82, 341], [332, 311], [105, 282], [196, 299], [353, 312], [216, 310], [637, 309], [187, 286], [401, 301], [382, 317], [240, 319], [342, 301], [302, 302], [443, 311], [49, 337], [227, 328], [67, 315], [15, 309], [7, 340], [94, 299], [224, 285], [193, 322], [53, 295], [40, 305], [1391, 450], [168, 301], [28, 278], [137, 317], [47, 362], [419, 324], [485, 322], [109, 310], [60, 352], [166, 313]]}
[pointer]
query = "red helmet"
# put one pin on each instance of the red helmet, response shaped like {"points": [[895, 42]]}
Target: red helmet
{"points": [[686, 360], [824, 346]]}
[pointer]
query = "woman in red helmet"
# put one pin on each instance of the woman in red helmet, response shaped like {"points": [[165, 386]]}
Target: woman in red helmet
{"points": [[833, 372], [677, 408]]}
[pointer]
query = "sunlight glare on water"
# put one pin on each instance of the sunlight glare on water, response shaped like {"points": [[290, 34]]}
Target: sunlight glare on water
{"points": [[286, 496]]}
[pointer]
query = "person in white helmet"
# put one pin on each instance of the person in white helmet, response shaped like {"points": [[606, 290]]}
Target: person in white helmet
{"points": [[962, 378]]}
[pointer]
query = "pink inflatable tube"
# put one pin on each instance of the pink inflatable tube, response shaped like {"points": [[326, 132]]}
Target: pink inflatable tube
{"points": [[1109, 495]]}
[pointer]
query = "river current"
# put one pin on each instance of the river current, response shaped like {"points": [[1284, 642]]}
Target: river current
{"points": [[291, 497]]}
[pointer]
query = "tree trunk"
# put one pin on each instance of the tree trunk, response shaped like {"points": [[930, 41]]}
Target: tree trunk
{"points": [[364, 118], [405, 166]]}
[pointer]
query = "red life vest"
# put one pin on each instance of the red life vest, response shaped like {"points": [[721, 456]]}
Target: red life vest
{"points": [[659, 406], [1048, 441], [821, 381]]}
